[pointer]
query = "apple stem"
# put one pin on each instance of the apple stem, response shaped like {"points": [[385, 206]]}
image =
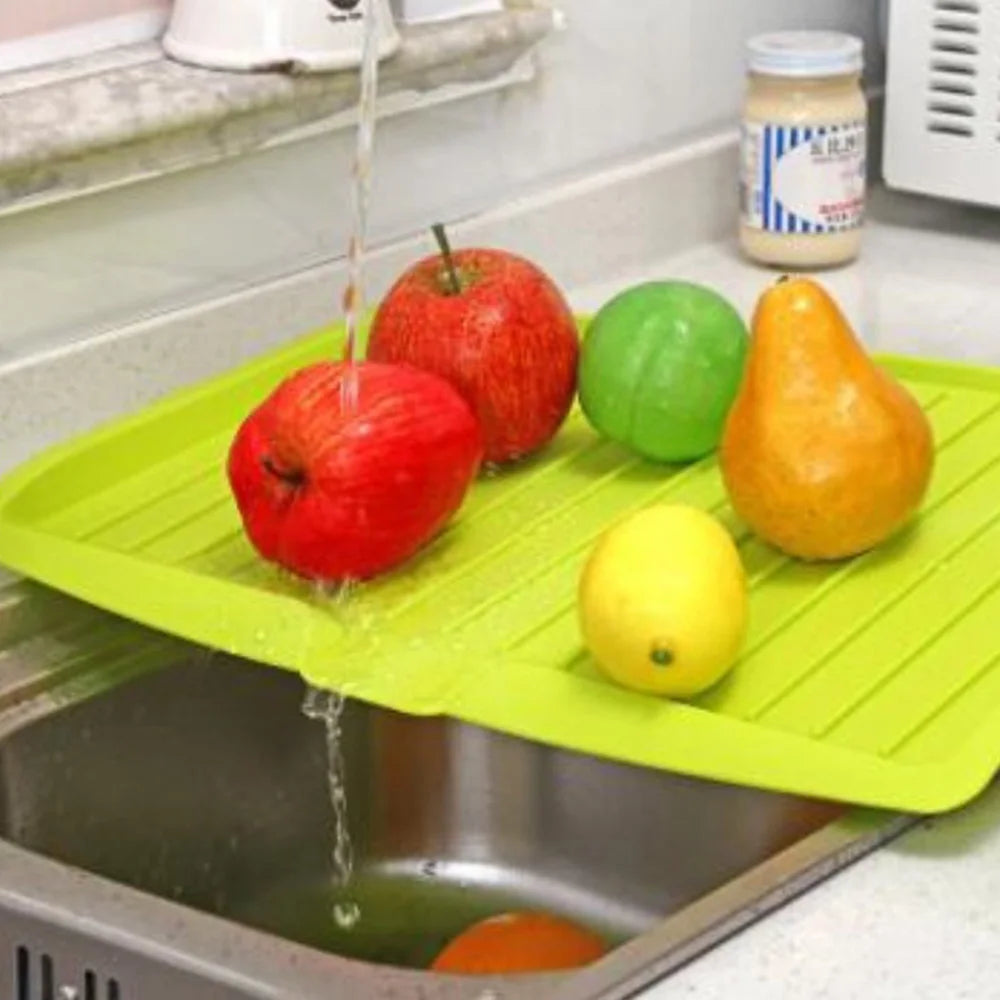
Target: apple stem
{"points": [[449, 261]]}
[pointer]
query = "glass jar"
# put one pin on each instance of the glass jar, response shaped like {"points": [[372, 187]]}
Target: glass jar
{"points": [[803, 150]]}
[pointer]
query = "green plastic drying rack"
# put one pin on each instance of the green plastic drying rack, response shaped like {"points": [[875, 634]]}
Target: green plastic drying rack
{"points": [[874, 681]]}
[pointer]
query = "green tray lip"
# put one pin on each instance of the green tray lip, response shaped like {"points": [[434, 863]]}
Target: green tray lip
{"points": [[924, 788]]}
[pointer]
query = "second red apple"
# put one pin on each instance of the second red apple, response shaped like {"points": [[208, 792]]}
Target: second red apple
{"points": [[499, 330]]}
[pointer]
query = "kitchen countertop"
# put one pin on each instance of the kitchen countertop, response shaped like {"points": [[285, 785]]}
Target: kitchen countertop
{"points": [[925, 283], [919, 918], [116, 117]]}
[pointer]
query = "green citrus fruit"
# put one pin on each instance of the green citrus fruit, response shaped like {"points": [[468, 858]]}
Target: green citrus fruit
{"points": [[660, 367]]}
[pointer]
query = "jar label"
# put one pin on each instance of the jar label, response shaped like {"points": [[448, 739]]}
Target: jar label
{"points": [[803, 179]]}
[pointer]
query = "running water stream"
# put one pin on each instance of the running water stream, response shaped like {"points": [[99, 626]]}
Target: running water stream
{"points": [[354, 293], [328, 706]]}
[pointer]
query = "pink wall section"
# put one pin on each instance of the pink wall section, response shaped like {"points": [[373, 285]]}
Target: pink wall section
{"points": [[22, 18]]}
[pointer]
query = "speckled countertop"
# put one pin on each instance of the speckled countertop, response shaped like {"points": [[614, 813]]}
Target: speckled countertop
{"points": [[120, 116], [919, 918]]}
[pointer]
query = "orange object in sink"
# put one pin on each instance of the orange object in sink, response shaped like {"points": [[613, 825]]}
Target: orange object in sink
{"points": [[519, 942]]}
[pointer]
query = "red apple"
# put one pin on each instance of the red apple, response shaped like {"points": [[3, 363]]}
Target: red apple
{"points": [[335, 492], [499, 330]]}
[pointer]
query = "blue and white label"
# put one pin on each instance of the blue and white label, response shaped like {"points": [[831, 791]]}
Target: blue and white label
{"points": [[803, 179]]}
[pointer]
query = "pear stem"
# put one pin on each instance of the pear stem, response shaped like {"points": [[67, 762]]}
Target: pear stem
{"points": [[454, 282]]}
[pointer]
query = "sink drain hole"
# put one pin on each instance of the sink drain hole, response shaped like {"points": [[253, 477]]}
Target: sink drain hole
{"points": [[22, 974], [48, 979], [25, 984]]}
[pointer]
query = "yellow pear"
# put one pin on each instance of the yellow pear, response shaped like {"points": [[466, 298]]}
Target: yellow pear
{"points": [[824, 454]]}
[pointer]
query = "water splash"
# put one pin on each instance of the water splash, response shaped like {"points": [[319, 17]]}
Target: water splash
{"points": [[338, 593]]}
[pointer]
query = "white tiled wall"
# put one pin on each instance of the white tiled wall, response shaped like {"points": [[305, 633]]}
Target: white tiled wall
{"points": [[45, 31], [20, 20], [625, 77]]}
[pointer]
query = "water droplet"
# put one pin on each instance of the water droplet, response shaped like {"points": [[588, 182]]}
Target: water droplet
{"points": [[346, 915]]}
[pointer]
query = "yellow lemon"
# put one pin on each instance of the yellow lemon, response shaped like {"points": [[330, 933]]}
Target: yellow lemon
{"points": [[663, 601]]}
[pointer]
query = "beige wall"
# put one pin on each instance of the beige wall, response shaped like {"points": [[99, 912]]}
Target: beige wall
{"points": [[627, 77], [20, 19]]}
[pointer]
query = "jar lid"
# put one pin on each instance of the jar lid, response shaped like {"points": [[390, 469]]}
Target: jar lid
{"points": [[805, 53]]}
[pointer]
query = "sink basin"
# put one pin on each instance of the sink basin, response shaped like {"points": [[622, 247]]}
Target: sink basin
{"points": [[171, 830]]}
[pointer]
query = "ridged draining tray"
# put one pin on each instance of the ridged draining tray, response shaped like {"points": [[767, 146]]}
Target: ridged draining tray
{"points": [[875, 681]]}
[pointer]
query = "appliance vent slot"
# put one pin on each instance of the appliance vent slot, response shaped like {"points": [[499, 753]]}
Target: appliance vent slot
{"points": [[953, 68], [953, 46], [950, 128], [957, 6], [952, 81], [946, 85], [36, 980], [959, 108], [957, 25]]}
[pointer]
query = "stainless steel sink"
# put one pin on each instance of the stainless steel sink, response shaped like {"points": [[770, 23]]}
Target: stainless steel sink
{"points": [[167, 833]]}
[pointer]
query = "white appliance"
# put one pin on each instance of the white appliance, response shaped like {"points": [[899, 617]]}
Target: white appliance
{"points": [[309, 35], [942, 129]]}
